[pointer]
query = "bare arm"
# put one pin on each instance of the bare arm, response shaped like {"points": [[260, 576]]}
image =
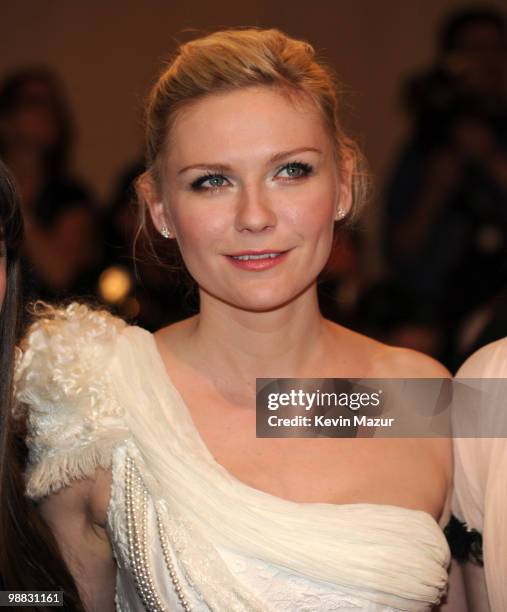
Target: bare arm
{"points": [[76, 515]]}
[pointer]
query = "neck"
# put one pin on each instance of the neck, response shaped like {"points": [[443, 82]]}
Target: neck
{"points": [[248, 345]]}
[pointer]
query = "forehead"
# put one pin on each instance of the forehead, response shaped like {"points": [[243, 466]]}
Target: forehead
{"points": [[245, 123]]}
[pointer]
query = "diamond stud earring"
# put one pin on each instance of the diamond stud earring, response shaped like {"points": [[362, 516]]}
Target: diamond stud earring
{"points": [[341, 213], [165, 231]]}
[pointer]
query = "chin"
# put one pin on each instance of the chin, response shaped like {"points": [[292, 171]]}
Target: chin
{"points": [[263, 299]]}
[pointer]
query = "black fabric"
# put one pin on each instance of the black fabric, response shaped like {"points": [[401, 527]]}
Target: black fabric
{"points": [[465, 544]]}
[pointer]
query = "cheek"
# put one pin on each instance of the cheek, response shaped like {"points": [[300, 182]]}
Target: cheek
{"points": [[312, 213], [198, 232]]}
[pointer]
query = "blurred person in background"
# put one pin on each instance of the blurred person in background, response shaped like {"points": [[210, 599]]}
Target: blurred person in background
{"points": [[29, 555], [61, 246], [445, 231]]}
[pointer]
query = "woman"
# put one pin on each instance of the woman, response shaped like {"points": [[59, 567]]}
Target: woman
{"points": [[143, 448], [481, 479], [29, 555]]}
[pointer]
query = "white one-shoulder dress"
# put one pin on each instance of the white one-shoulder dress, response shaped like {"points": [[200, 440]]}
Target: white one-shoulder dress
{"points": [[186, 534]]}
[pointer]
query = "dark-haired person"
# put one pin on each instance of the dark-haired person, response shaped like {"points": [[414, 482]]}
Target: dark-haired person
{"points": [[144, 445], [446, 200], [60, 248], [29, 556], [10, 238]]}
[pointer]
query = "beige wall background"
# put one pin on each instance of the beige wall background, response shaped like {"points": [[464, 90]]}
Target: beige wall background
{"points": [[109, 52]]}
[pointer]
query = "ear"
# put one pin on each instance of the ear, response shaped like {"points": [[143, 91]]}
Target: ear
{"points": [[344, 189], [148, 191]]}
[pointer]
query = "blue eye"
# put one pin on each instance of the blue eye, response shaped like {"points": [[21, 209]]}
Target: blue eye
{"points": [[215, 182], [297, 170]]}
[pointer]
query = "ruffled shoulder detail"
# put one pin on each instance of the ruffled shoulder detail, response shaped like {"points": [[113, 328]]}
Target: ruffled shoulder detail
{"points": [[63, 389]]}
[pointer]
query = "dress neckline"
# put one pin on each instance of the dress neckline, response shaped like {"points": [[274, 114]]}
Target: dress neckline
{"points": [[157, 357]]}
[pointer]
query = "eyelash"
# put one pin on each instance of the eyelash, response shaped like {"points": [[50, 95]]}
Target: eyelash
{"points": [[197, 185]]}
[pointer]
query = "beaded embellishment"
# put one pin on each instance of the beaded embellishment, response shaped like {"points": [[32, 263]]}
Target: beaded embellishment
{"points": [[184, 548], [136, 503]]}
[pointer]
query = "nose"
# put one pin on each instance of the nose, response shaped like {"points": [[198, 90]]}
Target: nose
{"points": [[254, 210]]}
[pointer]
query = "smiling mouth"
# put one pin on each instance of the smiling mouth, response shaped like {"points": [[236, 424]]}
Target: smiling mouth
{"points": [[259, 255], [250, 257]]}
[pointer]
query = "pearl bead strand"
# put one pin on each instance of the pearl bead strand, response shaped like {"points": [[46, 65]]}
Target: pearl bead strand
{"points": [[136, 500]]}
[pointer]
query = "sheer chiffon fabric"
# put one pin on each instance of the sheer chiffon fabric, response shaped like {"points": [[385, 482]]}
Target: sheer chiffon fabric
{"points": [[234, 547], [480, 481]]}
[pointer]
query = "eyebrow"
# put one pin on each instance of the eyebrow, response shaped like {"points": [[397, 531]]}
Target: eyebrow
{"points": [[226, 168]]}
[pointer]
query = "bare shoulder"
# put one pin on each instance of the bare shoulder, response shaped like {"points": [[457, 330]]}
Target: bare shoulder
{"points": [[399, 362], [374, 359]]}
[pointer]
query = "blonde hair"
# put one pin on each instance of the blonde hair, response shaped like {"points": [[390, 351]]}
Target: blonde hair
{"points": [[233, 59]]}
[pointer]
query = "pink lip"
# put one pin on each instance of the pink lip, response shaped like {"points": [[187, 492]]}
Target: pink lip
{"points": [[258, 264], [255, 252]]}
